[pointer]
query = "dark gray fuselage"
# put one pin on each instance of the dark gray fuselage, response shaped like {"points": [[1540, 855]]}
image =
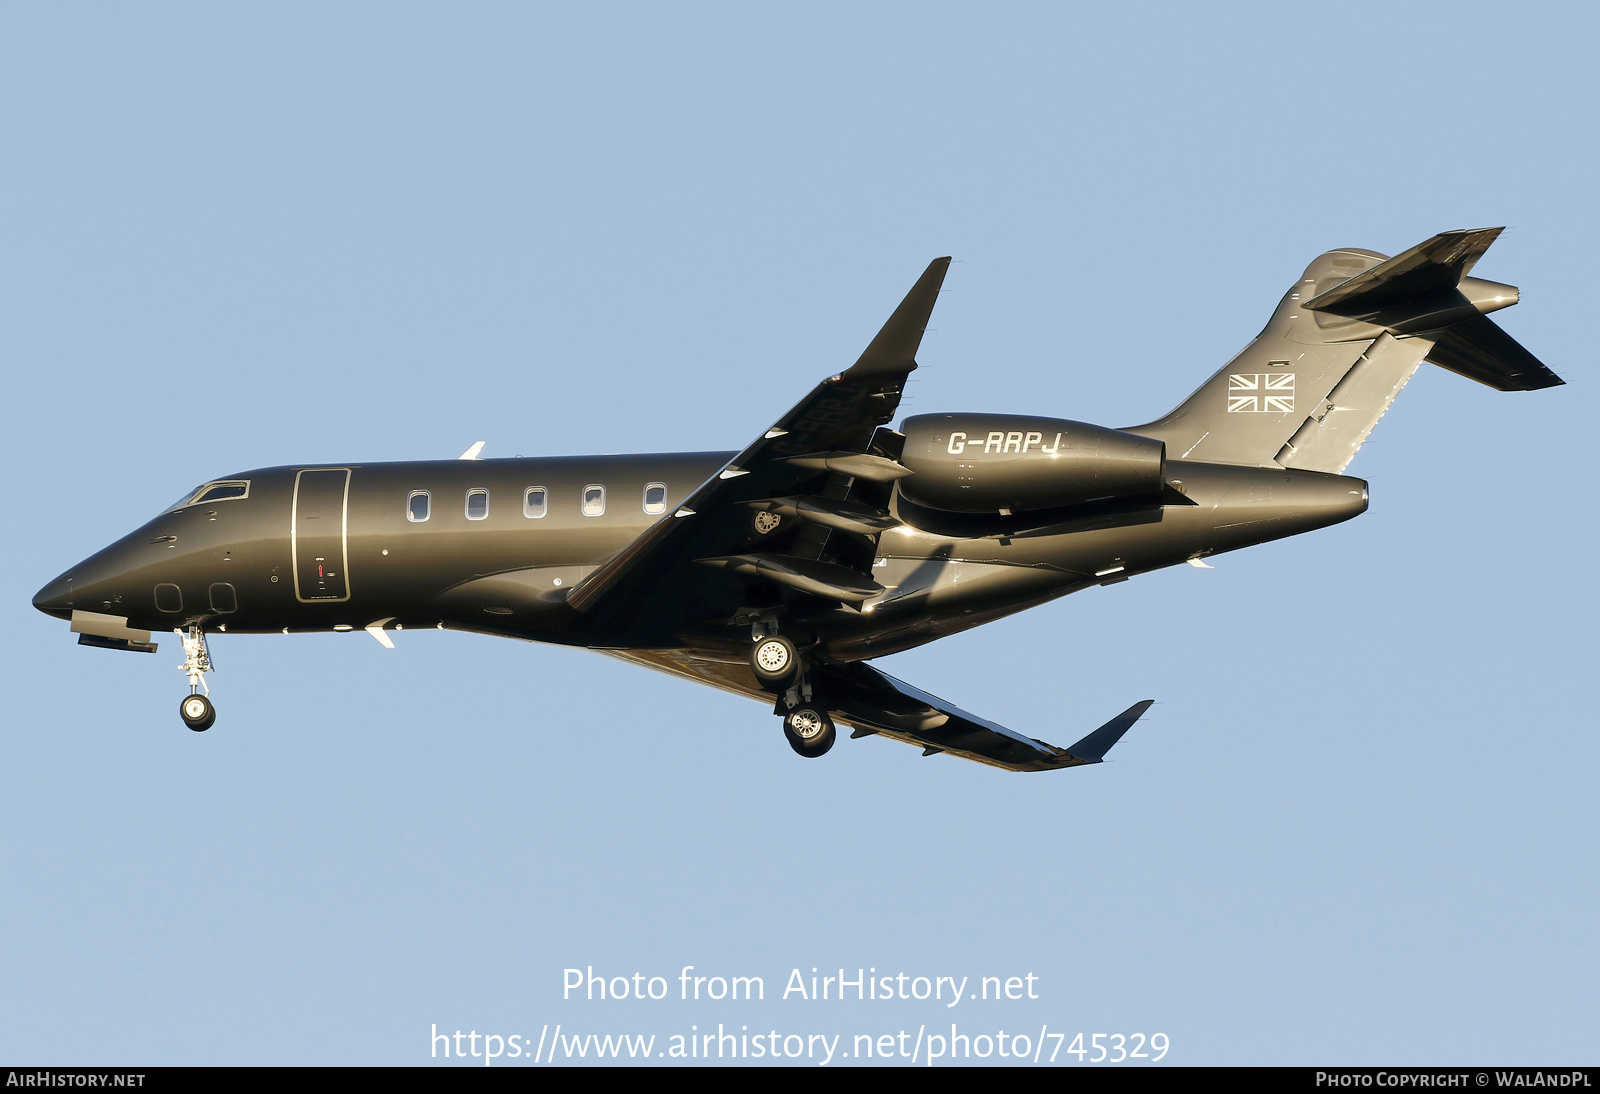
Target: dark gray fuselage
{"points": [[507, 572]]}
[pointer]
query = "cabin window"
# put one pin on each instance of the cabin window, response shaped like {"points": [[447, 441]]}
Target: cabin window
{"points": [[169, 598], [655, 498], [417, 506], [223, 598], [594, 500], [536, 502], [477, 503]]}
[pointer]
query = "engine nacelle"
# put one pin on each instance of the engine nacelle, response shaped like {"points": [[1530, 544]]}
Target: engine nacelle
{"points": [[983, 463]]}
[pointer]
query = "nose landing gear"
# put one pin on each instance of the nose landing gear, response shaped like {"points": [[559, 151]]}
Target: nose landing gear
{"points": [[196, 709], [197, 712]]}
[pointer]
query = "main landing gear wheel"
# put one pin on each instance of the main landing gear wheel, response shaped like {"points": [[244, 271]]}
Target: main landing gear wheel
{"points": [[774, 659], [809, 730], [197, 712]]}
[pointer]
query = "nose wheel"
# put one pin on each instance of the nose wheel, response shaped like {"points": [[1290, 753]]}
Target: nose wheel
{"points": [[196, 709], [197, 712]]}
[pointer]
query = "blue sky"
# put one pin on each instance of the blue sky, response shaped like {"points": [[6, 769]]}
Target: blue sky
{"points": [[1358, 826]]}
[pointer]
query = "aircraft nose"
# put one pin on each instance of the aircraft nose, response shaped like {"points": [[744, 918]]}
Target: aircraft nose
{"points": [[96, 584], [55, 598]]}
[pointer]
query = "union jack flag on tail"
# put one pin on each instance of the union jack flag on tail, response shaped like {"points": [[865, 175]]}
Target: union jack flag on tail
{"points": [[1261, 393]]}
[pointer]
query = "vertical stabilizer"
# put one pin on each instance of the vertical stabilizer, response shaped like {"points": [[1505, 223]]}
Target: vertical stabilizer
{"points": [[1344, 340]]}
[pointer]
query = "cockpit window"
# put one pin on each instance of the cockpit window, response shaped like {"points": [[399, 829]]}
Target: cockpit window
{"points": [[225, 490]]}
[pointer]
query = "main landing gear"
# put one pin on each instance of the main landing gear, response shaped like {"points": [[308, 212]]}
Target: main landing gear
{"points": [[775, 660], [778, 663], [196, 709], [809, 730]]}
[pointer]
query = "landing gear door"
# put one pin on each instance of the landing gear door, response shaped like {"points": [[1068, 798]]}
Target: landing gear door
{"points": [[318, 539]]}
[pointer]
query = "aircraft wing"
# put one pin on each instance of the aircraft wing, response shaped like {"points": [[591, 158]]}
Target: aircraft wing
{"points": [[827, 431], [874, 702], [826, 436]]}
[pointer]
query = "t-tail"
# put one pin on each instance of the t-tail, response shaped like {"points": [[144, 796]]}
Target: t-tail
{"points": [[1309, 389]]}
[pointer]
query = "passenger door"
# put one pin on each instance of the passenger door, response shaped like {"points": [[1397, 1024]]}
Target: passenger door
{"points": [[318, 540]]}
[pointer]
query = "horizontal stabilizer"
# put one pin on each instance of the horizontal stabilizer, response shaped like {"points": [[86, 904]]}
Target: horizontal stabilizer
{"points": [[1437, 265], [1479, 350], [1093, 748], [1426, 293]]}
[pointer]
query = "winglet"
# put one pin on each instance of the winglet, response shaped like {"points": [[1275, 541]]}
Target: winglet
{"points": [[473, 453], [1093, 748], [895, 347]]}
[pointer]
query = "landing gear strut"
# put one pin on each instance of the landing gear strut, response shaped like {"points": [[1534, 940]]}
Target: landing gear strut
{"points": [[196, 709]]}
